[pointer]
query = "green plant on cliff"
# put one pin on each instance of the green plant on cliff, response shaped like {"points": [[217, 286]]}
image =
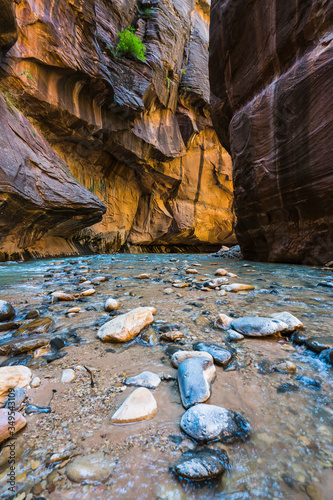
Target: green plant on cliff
{"points": [[130, 45], [144, 12]]}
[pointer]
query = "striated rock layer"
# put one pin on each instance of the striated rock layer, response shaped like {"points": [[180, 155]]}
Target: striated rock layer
{"points": [[271, 71], [138, 135]]}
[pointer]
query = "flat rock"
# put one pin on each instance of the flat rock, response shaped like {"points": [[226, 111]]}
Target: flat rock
{"points": [[87, 293], [144, 379], [111, 304], [140, 405], [126, 326], [194, 378], [6, 430], [90, 469], [238, 287], [201, 465], [68, 376], [41, 325], [289, 319], [221, 355], [172, 336], [18, 346], [318, 344], [178, 357], [7, 311], [60, 295], [223, 322], [11, 377], [205, 423], [254, 326]]}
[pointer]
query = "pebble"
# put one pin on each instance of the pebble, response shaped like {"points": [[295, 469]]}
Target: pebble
{"points": [[194, 378], [140, 405], [33, 314], [143, 276], [191, 271], [7, 311], [238, 287], [221, 272], [18, 423], [60, 295], [178, 357], [68, 376], [201, 465], [35, 382], [12, 377], [285, 367], [74, 310], [168, 291], [144, 379], [234, 336], [172, 336], [111, 304], [90, 469], [208, 422], [223, 322], [87, 293], [126, 326], [254, 326], [221, 355]]}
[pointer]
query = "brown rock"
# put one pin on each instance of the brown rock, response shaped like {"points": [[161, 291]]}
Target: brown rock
{"points": [[59, 295], [126, 326], [172, 336], [41, 325], [271, 72]]}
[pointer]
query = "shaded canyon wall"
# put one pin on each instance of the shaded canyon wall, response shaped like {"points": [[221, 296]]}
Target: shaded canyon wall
{"points": [[137, 135], [271, 73]]}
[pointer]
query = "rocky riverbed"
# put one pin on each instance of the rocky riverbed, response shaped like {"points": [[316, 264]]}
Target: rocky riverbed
{"points": [[92, 430]]}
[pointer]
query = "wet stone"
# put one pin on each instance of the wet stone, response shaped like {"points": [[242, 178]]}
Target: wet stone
{"points": [[234, 336], [201, 465], [172, 336], [30, 409], [287, 388], [289, 319], [144, 379], [90, 469], [194, 377], [254, 326], [16, 346], [318, 344], [221, 355], [7, 311], [309, 382], [207, 422], [41, 325], [33, 314], [265, 367], [178, 357], [299, 338]]}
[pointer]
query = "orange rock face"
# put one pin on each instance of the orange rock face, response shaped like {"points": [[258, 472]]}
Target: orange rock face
{"points": [[271, 72], [137, 134]]}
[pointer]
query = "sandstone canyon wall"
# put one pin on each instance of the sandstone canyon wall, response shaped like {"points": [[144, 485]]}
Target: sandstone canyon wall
{"points": [[271, 71], [137, 135]]}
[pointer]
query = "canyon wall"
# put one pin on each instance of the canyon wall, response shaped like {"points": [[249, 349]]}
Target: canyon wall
{"points": [[136, 134], [271, 73]]}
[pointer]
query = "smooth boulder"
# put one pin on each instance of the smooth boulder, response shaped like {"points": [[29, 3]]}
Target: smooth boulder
{"points": [[205, 423], [140, 405], [221, 355], [90, 469], [7, 311], [178, 357], [11, 377], [126, 326], [255, 326], [289, 319], [194, 378], [201, 465], [145, 379]]}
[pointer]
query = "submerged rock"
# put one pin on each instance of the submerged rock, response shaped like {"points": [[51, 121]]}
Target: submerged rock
{"points": [[194, 378], [298, 338], [254, 326], [30, 409], [287, 388], [41, 325], [140, 405], [318, 344], [126, 326], [90, 469], [172, 336], [144, 379], [221, 355], [17, 424], [205, 423], [201, 465], [310, 382], [17, 346], [7, 311]]}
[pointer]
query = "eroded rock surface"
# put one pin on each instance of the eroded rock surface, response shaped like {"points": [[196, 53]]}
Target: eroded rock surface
{"points": [[271, 73], [136, 134]]}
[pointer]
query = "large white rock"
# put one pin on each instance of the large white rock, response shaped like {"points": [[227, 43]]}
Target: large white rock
{"points": [[140, 405], [8, 427], [126, 326], [11, 377], [291, 321]]}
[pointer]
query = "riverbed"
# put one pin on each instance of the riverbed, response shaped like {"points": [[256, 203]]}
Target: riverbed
{"points": [[290, 451]]}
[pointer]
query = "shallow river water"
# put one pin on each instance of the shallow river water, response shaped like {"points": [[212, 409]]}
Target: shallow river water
{"points": [[290, 451]]}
